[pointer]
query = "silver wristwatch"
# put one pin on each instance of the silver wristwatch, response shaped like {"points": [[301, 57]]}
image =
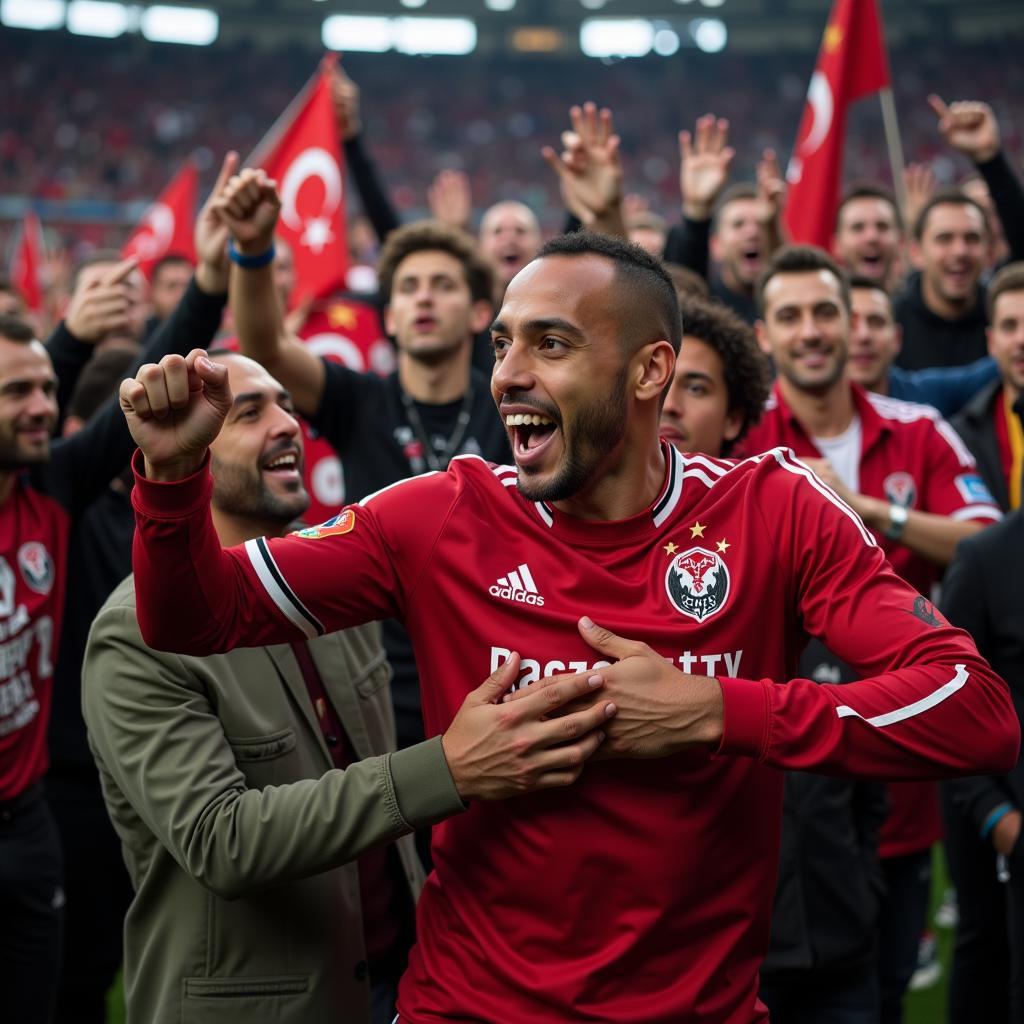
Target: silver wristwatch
{"points": [[897, 521]]}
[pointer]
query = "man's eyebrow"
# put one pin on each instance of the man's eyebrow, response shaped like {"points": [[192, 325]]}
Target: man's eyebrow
{"points": [[696, 375], [248, 396], [540, 325]]}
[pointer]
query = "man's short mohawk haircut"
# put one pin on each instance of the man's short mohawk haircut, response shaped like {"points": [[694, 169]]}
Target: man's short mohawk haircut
{"points": [[644, 277]]}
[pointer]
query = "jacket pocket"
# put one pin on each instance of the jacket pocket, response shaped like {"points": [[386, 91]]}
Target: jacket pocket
{"points": [[233, 988], [262, 748], [372, 676]]}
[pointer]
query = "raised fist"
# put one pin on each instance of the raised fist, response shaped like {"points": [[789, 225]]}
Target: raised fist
{"points": [[249, 205], [175, 408], [969, 127]]}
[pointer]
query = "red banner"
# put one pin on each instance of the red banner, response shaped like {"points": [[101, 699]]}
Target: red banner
{"points": [[166, 227], [27, 262], [303, 153], [852, 63]]}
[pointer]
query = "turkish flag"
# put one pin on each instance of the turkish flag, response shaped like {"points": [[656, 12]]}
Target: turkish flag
{"points": [[303, 153], [166, 227], [27, 262], [851, 63]]}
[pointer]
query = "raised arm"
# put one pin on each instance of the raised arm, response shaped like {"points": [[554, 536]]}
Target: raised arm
{"points": [[249, 205], [705, 158], [971, 128], [589, 170]]}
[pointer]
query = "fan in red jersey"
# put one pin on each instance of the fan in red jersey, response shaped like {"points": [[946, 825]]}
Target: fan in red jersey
{"points": [[643, 893]]}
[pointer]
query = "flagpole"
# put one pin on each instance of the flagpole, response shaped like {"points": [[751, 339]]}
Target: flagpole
{"points": [[269, 140], [894, 144]]}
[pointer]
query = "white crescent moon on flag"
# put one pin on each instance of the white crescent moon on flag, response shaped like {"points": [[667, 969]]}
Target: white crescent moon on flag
{"points": [[819, 96], [311, 163], [156, 232]]}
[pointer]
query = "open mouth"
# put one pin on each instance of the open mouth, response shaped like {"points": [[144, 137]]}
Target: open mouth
{"points": [[532, 433], [284, 466]]}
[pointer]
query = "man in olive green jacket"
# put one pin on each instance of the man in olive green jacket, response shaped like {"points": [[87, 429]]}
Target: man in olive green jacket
{"points": [[244, 841]]}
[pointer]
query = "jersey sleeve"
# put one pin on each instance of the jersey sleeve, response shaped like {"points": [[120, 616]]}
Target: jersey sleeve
{"points": [[194, 597], [952, 485], [925, 703]]}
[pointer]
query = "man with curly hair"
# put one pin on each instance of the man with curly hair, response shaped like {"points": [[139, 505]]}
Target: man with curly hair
{"points": [[721, 381]]}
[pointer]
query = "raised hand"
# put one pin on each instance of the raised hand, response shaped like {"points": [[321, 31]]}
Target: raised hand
{"points": [[919, 185], [249, 206], [211, 235], [704, 162], [102, 305], [449, 198], [497, 750], [175, 408], [771, 188], [345, 96], [968, 126], [590, 169]]}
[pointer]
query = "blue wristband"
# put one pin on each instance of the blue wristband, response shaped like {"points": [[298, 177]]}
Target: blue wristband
{"points": [[250, 262], [994, 818]]}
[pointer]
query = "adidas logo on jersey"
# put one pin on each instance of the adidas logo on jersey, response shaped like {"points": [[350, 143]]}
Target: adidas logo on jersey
{"points": [[518, 586]]}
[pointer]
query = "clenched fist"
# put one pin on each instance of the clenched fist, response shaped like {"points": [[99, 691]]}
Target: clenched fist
{"points": [[175, 409]]}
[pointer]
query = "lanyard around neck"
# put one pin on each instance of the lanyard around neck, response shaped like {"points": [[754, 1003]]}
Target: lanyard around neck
{"points": [[455, 439]]}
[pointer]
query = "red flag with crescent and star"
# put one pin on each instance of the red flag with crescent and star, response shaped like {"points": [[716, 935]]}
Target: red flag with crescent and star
{"points": [[166, 227], [27, 261], [852, 63], [303, 153]]}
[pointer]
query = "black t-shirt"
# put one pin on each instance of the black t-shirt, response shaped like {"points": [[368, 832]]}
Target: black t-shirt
{"points": [[365, 420]]}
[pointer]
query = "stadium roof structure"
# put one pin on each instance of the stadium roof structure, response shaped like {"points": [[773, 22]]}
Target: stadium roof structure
{"points": [[535, 27]]}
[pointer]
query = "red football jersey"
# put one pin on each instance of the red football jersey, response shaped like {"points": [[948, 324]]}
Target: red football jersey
{"points": [[910, 456], [33, 554], [643, 892]]}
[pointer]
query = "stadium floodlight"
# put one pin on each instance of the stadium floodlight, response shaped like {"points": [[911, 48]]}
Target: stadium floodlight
{"points": [[448, 36], [666, 42], [38, 14], [709, 34], [712, 3], [500, 5], [412, 3], [353, 32], [593, 5], [194, 26], [616, 37], [97, 18]]}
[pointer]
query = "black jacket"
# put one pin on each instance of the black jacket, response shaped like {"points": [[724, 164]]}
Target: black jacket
{"points": [[975, 423], [830, 884], [931, 340], [983, 592]]}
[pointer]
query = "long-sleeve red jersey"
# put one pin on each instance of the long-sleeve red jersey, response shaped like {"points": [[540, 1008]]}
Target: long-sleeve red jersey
{"points": [[643, 892]]}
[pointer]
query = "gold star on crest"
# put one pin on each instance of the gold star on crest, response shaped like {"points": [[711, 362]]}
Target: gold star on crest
{"points": [[670, 548], [340, 315], [723, 545], [697, 530], [833, 38]]}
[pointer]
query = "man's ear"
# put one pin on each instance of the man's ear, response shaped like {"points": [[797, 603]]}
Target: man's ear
{"points": [[733, 425], [655, 363], [72, 425], [481, 316], [762, 337]]}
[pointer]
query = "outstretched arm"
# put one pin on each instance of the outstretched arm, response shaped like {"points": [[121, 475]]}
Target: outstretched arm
{"points": [[249, 205]]}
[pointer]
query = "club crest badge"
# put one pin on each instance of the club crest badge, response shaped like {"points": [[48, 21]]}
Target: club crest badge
{"points": [[342, 523], [697, 583], [900, 489], [36, 566]]}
